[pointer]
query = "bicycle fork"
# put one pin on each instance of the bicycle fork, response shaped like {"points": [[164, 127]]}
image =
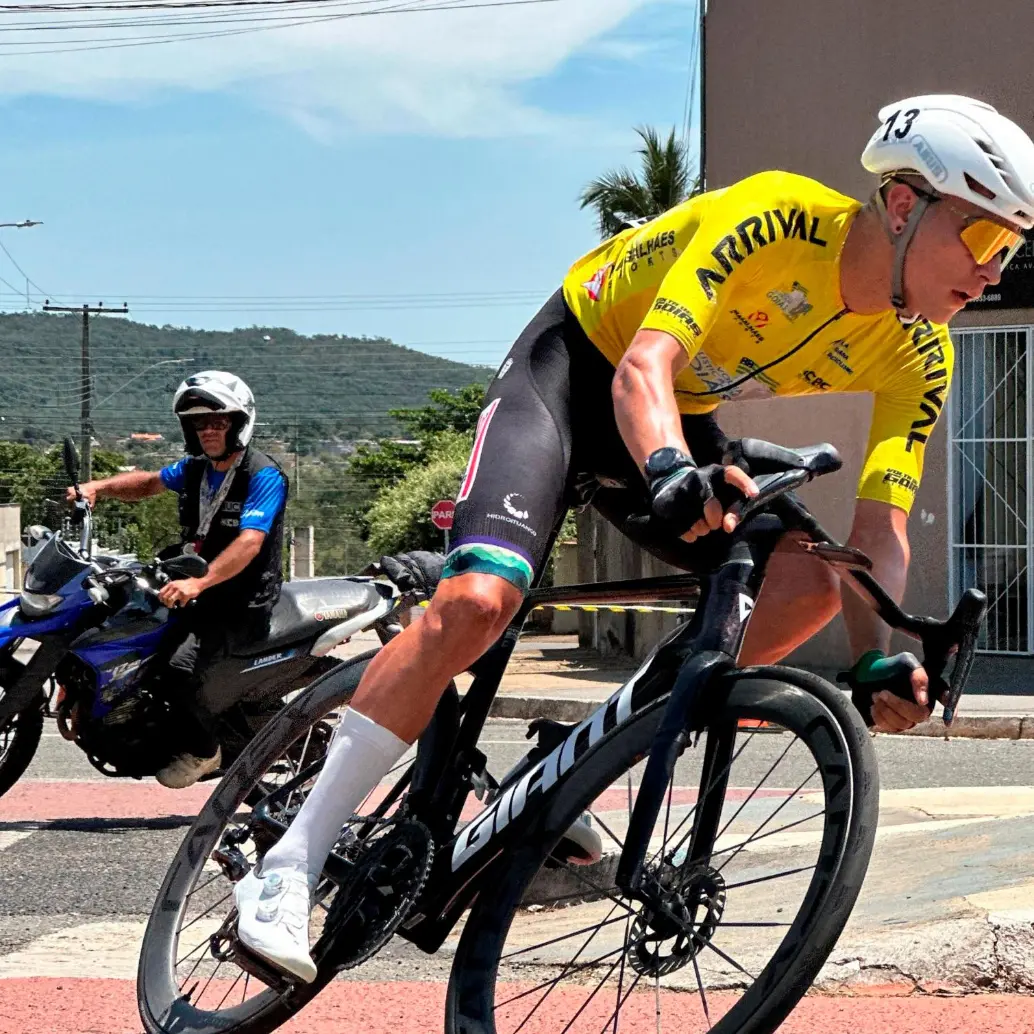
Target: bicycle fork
{"points": [[716, 634]]}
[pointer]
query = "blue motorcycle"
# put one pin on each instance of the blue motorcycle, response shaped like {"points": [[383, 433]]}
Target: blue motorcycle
{"points": [[99, 627]]}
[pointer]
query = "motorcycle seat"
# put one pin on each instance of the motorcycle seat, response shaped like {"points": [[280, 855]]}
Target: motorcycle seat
{"points": [[321, 607]]}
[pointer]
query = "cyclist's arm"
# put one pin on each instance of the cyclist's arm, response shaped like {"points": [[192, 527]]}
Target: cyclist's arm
{"points": [[879, 531], [644, 394]]}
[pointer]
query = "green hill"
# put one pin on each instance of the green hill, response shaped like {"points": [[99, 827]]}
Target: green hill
{"points": [[324, 389]]}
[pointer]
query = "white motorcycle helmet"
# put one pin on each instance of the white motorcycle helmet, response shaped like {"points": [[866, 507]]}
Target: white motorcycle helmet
{"points": [[215, 391], [962, 148]]}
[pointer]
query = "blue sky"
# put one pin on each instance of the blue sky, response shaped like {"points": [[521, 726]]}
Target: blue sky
{"points": [[411, 158]]}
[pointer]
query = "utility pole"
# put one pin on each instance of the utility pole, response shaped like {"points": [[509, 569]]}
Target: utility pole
{"points": [[85, 427]]}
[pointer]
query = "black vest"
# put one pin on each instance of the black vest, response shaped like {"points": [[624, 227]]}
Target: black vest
{"points": [[258, 585]]}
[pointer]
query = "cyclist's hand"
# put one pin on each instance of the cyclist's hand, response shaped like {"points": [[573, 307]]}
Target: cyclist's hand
{"points": [[891, 713], [418, 571], [891, 693], [696, 500]]}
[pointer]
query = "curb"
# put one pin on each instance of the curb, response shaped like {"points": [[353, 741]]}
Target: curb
{"points": [[974, 727]]}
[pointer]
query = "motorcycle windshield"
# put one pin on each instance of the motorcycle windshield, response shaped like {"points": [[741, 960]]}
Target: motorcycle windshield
{"points": [[53, 567]]}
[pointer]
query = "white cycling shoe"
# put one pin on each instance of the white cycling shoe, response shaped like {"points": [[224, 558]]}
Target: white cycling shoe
{"points": [[273, 911]]}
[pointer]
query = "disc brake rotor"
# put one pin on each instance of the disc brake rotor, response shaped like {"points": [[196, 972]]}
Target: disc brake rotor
{"points": [[682, 913]]}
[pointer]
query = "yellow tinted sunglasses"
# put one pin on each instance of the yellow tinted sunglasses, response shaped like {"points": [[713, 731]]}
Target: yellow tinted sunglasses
{"points": [[986, 239]]}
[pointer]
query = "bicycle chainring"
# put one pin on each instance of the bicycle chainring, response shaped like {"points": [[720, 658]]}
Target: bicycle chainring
{"points": [[391, 867]]}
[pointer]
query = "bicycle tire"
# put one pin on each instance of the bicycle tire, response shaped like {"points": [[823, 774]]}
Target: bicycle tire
{"points": [[160, 1003], [785, 697]]}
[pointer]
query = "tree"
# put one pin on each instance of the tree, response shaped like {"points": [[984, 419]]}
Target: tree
{"points": [[400, 519], [665, 180]]}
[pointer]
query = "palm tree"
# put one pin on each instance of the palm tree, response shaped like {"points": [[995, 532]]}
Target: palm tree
{"points": [[665, 181]]}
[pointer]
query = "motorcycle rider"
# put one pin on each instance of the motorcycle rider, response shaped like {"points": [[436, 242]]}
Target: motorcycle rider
{"points": [[231, 504]]}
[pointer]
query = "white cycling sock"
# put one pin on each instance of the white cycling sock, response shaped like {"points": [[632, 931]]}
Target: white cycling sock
{"points": [[360, 755]]}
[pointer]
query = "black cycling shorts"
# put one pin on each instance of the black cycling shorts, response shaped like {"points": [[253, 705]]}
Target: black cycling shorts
{"points": [[548, 440]]}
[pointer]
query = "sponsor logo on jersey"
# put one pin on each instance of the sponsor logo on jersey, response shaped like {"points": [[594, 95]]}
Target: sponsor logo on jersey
{"points": [[745, 323], [680, 312], [760, 385], [899, 477], [815, 380], [793, 303], [471, 473], [753, 233], [648, 250], [502, 369], [594, 286], [929, 343], [837, 355]]}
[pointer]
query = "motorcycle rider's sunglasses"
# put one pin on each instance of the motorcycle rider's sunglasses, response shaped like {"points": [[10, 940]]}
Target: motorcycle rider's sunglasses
{"points": [[217, 422], [983, 237]]}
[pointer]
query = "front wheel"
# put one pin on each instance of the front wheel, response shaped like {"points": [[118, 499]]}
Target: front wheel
{"points": [[752, 871], [19, 739]]}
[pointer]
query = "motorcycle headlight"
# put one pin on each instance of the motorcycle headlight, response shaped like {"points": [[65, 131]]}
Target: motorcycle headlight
{"points": [[38, 604]]}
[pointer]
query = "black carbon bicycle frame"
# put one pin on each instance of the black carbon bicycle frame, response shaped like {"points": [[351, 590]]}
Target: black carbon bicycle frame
{"points": [[689, 666]]}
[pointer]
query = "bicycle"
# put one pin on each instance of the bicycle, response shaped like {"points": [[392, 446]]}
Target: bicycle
{"points": [[664, 910]]}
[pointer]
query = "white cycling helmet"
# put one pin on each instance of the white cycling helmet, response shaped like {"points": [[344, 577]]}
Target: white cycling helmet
{"points": [[214, 391], [961, 147]]}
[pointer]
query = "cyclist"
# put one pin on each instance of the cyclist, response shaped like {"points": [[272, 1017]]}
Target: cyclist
{"points": [[774, 286], [232, 500]]}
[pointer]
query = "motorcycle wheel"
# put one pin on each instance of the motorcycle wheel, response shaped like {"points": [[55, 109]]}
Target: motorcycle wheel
{"points": [[19, 739]]}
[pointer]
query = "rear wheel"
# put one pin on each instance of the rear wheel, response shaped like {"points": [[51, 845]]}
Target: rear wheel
{"points": [[187, 981], [743, 927]]}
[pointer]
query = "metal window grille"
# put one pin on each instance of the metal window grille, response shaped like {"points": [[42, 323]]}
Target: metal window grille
{"points": [[989, 471]]}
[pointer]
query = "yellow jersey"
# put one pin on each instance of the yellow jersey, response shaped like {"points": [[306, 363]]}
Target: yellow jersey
{"points": [[747, 279]]}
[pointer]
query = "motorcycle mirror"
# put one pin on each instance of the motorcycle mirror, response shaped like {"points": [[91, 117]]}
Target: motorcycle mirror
{"points": [[186, 565], [71, 458]]}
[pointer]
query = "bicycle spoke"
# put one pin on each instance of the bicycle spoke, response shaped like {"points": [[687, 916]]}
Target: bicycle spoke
{"points": [[743, 805], [774, 876], [621, 979], [227, 995], [566, 936], [207, 883], [595, 991], [703, 993], [247, 977], [628, 993], [194, 970], [602, 891], [754, 839], [773, 814], [606, 829], [728, 958], [203, 944], [208, 982], [564, 971], [556, 980], [207, 911]]}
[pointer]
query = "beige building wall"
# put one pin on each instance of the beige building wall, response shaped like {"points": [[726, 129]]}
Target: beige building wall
{"points": [[797, 85], [10, 551]]}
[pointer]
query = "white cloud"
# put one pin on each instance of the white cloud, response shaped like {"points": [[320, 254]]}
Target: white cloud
{"points": [[451, 73]]}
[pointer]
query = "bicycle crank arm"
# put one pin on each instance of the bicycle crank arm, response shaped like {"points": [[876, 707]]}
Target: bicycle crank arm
{"points": [[679, 716]]}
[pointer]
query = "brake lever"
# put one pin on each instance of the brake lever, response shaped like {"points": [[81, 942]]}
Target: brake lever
{"points": [[770, 487], [959, 635]]}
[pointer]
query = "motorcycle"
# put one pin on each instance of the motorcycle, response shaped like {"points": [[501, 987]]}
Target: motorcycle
{"points": [[98, 627]]}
